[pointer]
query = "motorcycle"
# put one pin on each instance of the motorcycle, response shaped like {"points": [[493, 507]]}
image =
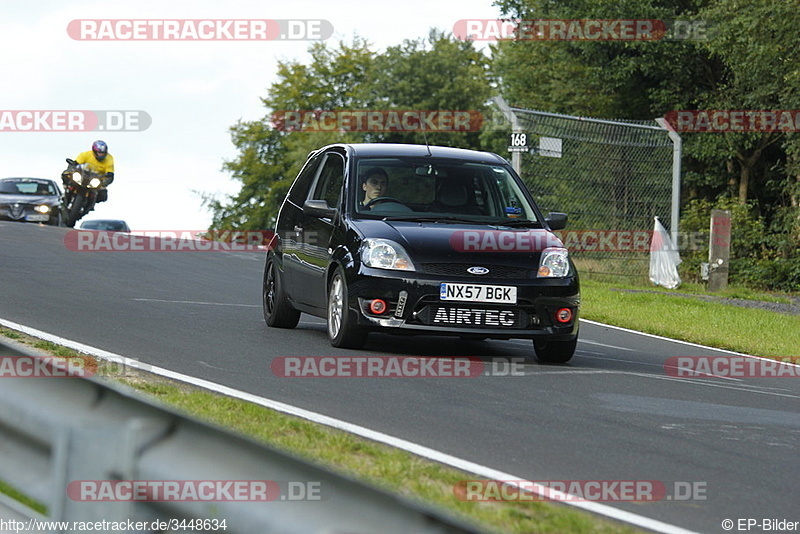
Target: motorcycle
{"points": [[82, 188]]}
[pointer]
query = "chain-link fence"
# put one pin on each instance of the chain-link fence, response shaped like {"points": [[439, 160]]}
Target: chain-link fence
{"points": [[611, 177]]}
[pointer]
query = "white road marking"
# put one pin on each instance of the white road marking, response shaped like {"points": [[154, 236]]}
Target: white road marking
{"points": [[198, 302], [615, 347]]}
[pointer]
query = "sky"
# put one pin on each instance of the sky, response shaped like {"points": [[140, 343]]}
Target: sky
{"points": [[193, 91]]}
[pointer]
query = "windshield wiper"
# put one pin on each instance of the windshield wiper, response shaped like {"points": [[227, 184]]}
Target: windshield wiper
{"points": [[428, 218], [517, 222]]}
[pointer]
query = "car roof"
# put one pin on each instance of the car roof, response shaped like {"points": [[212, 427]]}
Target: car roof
{"points": [[27, 178], [396, 149]]}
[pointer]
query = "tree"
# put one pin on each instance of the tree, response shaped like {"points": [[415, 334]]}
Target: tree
{"points": [[751, 61], [439, 73], [270, 158]]}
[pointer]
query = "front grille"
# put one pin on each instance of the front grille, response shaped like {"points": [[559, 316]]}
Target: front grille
{"points": [[467, 315], [460, 269], [16, 211], [433, 312]]}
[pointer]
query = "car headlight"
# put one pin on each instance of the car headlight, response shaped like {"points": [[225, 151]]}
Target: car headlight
{"points": [[76, 177], [554, 263], [42, 208], [94, 182], [385, 254]]}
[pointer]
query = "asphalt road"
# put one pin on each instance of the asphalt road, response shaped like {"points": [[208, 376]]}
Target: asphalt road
{"points": [[613, 413]]}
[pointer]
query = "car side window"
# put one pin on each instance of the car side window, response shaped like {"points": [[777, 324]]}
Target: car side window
{"points": [[299, 191], [329, 183]]}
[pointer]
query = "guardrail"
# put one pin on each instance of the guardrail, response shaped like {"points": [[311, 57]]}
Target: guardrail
{"points": [[57, 432]]}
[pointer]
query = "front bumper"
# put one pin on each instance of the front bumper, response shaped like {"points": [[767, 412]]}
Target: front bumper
{"points": [[24, 214], [414, 306]]}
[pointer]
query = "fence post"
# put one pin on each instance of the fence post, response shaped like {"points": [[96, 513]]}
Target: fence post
{"points": [[677, 149], [516, 157], [719, 250]]}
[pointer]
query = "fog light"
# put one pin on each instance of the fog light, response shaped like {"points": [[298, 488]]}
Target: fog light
{"points": [[377, 306], [564, 315]]}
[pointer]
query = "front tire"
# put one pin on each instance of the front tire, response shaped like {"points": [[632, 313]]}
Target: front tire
{"points": [[342, 329], [75, 210], [550, 351], [59, 219], [278, 312]]}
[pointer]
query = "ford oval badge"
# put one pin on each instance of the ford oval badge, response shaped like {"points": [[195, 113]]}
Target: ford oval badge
{"points": [[478, 270]]}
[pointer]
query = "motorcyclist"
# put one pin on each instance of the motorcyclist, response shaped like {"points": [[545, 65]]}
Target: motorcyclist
{"points": [[99, 161]]}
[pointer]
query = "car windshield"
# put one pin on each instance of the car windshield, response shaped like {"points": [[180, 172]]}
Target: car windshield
{"points": [[114, 226], [27, 187], [441, 190]]}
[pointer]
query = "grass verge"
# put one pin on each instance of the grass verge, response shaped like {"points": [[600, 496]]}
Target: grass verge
{"points": [[753, 331]]}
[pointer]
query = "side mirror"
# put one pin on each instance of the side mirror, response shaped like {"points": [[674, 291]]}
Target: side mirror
{"points": [[318, 208], [556, 220]]}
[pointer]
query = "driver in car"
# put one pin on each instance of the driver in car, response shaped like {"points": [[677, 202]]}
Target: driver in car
{"points": [[375, 184]]}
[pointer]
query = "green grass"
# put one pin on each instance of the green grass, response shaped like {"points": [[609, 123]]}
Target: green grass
{"points": [[733, 292], [11, 334], [20, 497], [752, 331]]}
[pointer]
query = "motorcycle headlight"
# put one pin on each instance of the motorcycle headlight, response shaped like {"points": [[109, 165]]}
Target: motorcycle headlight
{"points": [[554, 263], [76, 177], [385, 254], [42, 208], [95, 182]]}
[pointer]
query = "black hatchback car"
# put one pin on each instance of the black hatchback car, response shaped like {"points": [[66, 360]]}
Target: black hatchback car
{"points": [[423, 240]]}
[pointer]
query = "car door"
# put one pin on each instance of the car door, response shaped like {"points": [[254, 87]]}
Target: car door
{"points": [[317, 231], [289, 226]]}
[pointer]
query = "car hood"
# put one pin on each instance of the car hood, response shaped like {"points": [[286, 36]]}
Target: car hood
{"points": [[442, 242], [6, 198]]}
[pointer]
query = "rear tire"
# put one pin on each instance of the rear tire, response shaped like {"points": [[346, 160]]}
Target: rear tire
{"points": [[549, 351], [278, 313], [342, 329]]}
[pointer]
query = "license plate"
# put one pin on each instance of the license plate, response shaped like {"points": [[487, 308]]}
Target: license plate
{"points": [[37, 217], [478, 293]]}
